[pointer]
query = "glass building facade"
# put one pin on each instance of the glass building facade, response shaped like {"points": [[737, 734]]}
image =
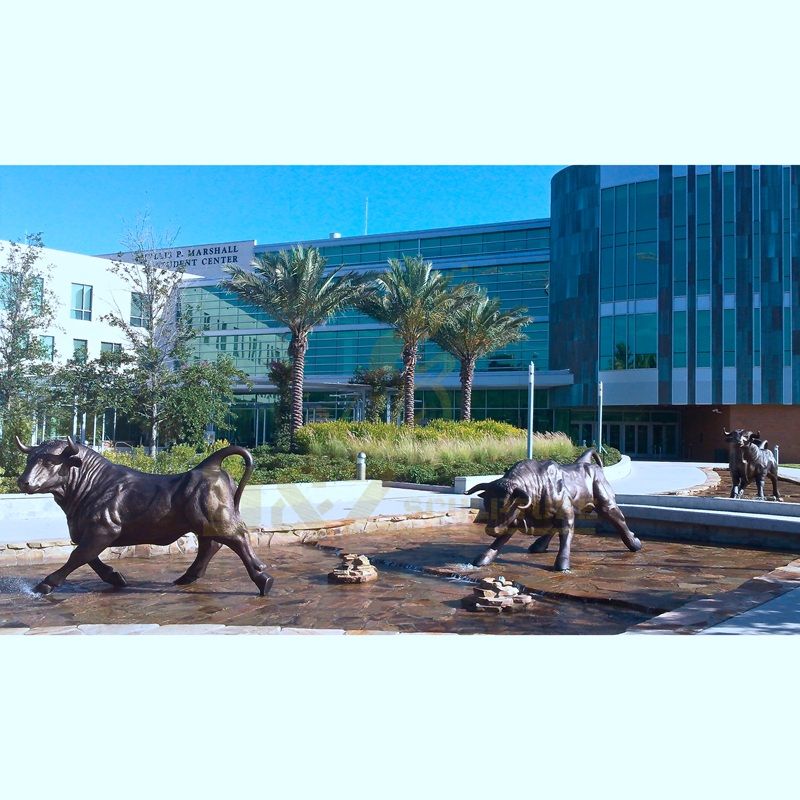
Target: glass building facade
{"points": [[677, 287], [698, 285], [510, 261]]}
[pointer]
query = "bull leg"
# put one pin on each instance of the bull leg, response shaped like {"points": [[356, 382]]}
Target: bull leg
{"points": [[206, 550], [775, 493], [565, 544], [492, 552], [760, 487], [255, 569], [541, 544], [613, 515], [108, 573], [82, 554]]}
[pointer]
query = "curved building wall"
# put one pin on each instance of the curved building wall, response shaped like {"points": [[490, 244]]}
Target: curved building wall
{"points": [[574, 256], [697, 275]]}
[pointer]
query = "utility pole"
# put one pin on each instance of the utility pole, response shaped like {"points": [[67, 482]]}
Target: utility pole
{"points": [[600, 418], [531, 369]]}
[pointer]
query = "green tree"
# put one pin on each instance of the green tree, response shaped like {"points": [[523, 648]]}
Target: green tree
{"points": [[91, 386], [157, 334], [280, 373], [295, 289], [379, 380], [415, 300], [204, 393], [475, 328], [27, 307]]}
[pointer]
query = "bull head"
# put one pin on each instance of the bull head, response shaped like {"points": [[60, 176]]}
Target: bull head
{"points": [[502, 508], [48, 466]]}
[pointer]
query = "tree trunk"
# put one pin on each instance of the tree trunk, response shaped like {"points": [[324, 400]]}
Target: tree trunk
{"points": [[154, 430], [467, 374], [297, 352], [409, 365]]}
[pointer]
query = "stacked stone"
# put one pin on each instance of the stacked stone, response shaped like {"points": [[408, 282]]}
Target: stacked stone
{"points": [[496, 595], [353, 569]]}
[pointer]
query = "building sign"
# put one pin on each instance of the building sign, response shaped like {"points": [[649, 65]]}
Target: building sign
{"points": [[203, 260]]}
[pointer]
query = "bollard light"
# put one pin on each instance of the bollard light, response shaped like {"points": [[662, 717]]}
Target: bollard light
{"points": [[361, 467]]}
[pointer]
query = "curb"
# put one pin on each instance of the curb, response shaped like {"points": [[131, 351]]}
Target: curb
{"points": [[58, 550]]}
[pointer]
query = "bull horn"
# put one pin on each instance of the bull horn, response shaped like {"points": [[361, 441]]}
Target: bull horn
{"points": [[478, 488], [520, 495], [71, 446], [24, 447], [726, 431]]}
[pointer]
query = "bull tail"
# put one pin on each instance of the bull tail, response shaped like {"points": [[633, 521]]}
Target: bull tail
{"points": [[589, 456], [216, 459]]}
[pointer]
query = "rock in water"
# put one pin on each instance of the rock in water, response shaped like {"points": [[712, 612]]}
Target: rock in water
{"points": [[495, 595], [353, 569]]}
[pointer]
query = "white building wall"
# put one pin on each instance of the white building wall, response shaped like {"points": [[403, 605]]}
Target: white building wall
{"points": [[110, 294]]}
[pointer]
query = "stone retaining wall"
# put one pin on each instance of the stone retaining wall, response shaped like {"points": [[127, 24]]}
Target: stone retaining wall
{"points": [[58, 550]]}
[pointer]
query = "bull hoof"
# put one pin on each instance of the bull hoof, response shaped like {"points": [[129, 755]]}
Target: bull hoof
{"points": [[185, 579], [483, 561], [637, 545], [562, 566], [43, 588], [115, 579], [264, 583]]}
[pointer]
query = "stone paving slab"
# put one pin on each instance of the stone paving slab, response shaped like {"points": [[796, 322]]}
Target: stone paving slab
{"points": [[699, 615], [609, 590]]}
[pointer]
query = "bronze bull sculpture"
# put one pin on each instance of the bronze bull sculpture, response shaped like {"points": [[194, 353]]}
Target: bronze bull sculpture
{"points": [[544, 493], [109, 505], [758, 464], [736, 462]]}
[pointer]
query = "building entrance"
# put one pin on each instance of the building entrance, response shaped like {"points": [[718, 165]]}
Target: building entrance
{"points": [[640, 434]]}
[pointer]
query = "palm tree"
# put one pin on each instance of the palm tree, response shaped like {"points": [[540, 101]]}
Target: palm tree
{"points": [[415, 300], [474, 329], [294, 288]]}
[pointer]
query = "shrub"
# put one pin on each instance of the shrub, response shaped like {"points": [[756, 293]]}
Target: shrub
{"points": [[179, 458], [436, 452]]}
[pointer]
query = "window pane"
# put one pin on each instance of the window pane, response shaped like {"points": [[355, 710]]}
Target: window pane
{"points": [[679, 338], [646, 202]]}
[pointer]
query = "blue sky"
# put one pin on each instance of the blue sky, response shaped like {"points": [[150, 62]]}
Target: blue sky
{"points": [[89, 209]]}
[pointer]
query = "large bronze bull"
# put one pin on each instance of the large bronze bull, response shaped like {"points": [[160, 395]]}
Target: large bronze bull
{"points": [[736, 462], [544, 493], [758, 464], [109, 505]]}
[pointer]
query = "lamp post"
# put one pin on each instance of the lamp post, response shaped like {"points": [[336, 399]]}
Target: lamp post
{"points": [[600, 418], [530, 408]]}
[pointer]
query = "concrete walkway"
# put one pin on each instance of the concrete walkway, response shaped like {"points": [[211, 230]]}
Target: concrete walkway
{"points": [[778, 616], [659, 477]]}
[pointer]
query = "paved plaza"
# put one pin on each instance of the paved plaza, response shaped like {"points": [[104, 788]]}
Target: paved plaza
{"points": [[423, 577]]}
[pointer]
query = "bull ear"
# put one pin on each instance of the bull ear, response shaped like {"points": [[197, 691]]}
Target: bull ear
{"points": [[24, 447], [757, 435], [479, 487], [72, 453], [521, 499]]}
